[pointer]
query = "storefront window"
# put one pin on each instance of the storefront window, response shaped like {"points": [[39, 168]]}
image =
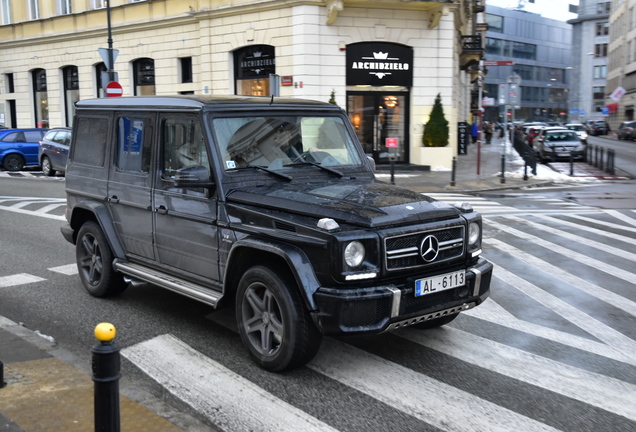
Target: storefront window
{"points": [[252, 67], [41, 101], [144, 77], [71, 92]]}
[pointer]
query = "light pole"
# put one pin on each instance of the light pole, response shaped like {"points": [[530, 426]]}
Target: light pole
{"points": [[111, 57]]}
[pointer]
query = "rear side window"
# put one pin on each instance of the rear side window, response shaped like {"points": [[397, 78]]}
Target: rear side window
{"points": [[134, 136], [90, 148], [33, 136]]}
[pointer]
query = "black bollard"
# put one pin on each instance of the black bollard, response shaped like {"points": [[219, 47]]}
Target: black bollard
{"points": [[2, 383], [106, 368], [571, 165], [452, 183], [601, 159], [503, 169]]}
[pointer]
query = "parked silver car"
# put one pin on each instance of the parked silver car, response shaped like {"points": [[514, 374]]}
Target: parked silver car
{"points": [[53, 150], [557, 143]]}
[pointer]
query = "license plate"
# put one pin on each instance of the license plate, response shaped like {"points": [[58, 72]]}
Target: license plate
{"points": [[564, 155], [440, 283]]}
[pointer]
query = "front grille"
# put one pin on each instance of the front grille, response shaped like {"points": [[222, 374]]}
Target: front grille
{"points": [[404, 251]]}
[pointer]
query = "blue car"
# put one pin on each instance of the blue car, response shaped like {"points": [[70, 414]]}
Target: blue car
{"points": [[54, 150], [19, 148]]}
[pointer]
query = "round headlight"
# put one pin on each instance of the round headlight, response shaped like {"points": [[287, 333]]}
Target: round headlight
{"points": [[474, 232], [354, 254]]}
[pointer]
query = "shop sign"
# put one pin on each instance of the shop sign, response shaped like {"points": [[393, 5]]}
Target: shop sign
{"points": [[255, 61], [379, 64]]}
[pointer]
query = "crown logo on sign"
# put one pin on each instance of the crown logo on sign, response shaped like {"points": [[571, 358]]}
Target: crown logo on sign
{"points": [[380, 55], [258, 53]]}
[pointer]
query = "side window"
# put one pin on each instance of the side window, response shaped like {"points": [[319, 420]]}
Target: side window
{"points": [[134, 135], [33, 136], [183, 145], [90, 148], [12, 137]]}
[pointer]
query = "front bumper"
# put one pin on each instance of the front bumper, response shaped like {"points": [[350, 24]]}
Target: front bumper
{"points": [[384, 308]]}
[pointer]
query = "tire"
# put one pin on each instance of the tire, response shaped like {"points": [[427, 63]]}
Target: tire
{"points": [[94, 262], [273, 322], [13, 162], [436, 322], [47, 168]]}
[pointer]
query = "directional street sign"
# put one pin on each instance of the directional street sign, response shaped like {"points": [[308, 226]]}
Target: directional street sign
{"points": [[499, 63], [104, 53], [114, 89]]}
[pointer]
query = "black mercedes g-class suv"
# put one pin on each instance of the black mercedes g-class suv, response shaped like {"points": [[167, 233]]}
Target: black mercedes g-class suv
{"points": [[269, 205]]}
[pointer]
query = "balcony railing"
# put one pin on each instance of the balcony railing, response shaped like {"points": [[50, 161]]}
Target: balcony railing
{"points": [[472, 43]]}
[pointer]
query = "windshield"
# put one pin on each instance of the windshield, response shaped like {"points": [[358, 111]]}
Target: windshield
{"points": [[561, 136], [283, 142]]}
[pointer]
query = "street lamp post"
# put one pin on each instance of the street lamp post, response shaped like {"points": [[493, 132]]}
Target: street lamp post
{"points": [[111, 57]]}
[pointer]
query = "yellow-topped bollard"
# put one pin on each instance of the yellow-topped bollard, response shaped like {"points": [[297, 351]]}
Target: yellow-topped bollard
{"points": [[106, 368], [105, 332]]}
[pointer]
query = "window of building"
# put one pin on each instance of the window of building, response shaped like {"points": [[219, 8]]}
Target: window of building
{"points": [[524, 50], [185, 69], [8, 83], [34, 9], [99, 4], [526, 72], [40, 98], [144, 75], [101, 79], [64, 7], [598, 92], [602, 28], [603, 8], [5, 10], [494, 46], [495, 23], [600, 71], [600, 50], [71, 92]]}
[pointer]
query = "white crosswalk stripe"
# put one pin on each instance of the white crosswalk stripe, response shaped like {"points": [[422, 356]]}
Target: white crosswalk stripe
{"points": [[34, 206]]}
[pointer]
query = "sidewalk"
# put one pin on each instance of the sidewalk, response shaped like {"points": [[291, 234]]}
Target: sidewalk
{"points": [[45, 392], [488, 160]]}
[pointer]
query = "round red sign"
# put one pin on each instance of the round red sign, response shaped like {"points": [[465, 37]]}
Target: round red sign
{"points": [[114, 89]]}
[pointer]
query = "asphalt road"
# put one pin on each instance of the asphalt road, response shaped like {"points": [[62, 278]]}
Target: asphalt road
{"points": [[552, 349]]}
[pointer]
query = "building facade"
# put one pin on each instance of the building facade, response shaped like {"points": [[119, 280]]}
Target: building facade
{"points": [[383, 60], [540, 49], [590, 42], [621, 68]]}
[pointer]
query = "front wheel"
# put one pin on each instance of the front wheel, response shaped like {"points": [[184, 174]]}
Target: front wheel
{"points": [[13, 162], [94, 262], [274, 325], [47, 168]]}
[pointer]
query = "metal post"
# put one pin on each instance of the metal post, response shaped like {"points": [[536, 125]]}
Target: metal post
{"points": [[571, 165], [610, 161], [601, 160], [596, 149], [2, 383], [525, 171], [106, 367], [503, 168], [111, 57], [452, 183]]}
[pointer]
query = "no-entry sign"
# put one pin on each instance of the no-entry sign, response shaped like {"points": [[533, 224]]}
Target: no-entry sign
{"points": [[114, 89]]}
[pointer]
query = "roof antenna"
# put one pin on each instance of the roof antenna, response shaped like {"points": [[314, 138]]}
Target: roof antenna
{"points": [[272, 101]]}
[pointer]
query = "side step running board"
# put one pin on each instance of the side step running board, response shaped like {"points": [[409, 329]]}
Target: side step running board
{"points": [[189, 289]]}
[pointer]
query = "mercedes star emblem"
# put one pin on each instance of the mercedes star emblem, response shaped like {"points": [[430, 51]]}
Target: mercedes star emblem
{"points": [[429, 248]]}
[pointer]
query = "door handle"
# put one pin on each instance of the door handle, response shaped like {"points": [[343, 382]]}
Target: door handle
{"points": [[161, 210], [114, 199]]}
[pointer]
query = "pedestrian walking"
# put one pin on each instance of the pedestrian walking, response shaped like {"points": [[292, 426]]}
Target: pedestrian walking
{"points": [[488, 130], [474, 132]]}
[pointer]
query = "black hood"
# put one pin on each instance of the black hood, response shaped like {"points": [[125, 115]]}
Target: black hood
{"points": [[361, 202]]}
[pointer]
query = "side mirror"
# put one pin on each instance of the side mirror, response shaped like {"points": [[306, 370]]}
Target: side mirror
{"points": [[195, 176]]}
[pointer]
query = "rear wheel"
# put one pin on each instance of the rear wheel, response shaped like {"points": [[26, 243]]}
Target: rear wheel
{"points": [[94, 262], [274, 325], [47, 168], [13, 162]]}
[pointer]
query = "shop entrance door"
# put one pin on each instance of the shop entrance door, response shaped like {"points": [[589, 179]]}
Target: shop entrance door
{"points": [[377, 116]]}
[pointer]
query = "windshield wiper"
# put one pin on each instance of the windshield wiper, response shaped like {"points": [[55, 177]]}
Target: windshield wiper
{"points": [[267, 170], [331, 170]]}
